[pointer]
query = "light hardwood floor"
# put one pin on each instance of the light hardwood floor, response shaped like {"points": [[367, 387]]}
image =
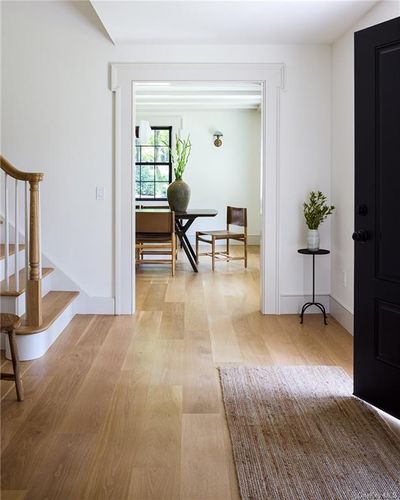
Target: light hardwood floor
{"points": [[130, 407]]}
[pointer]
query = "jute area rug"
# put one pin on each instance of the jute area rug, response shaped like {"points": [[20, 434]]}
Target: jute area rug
{"points": [[298, 433]]}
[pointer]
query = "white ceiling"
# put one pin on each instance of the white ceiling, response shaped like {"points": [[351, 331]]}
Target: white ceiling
{"points": [[228, 22], [179, 96]]}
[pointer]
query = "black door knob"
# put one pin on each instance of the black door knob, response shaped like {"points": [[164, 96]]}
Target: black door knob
{"points": [[361, 235]]}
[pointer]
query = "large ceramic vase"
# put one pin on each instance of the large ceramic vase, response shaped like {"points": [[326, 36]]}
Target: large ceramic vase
{"points": [[313, 240], [178, 195]]}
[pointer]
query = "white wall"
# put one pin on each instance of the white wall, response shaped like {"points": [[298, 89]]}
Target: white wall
{"points": [[228, 175], [57, 117], [343, 153]]}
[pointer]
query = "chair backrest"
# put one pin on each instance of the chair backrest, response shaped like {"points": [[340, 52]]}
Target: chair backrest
{"points": [[236, 216], [157, 221], [152, 207]]}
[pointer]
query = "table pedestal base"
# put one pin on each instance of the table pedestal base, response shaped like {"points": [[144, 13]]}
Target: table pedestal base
{"points": [[316, 304]]}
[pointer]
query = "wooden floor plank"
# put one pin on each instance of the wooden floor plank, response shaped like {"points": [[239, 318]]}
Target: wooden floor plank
{"points": [[13, 494], [176, 289], [148, 324], [201, 393], [203, 436], [117, 441], [168, 365], [154, 298], [172, 321], [225, 346], [158, 452], [86, 412], [62, 468]]}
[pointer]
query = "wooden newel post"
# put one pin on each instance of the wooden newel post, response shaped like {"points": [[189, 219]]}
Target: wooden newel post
{"points": [[32, 240], [34, 285]]}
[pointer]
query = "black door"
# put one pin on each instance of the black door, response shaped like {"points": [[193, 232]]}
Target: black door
{"points": [[377, 216]]}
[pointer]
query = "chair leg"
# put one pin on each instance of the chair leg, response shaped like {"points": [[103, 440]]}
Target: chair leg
{"points": [[15, 363], [227, 249], [245, 252], [197, 248], [137, 254], [213, 252], [173, 256]]}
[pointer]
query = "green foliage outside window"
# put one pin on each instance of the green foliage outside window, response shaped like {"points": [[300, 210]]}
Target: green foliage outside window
{"points": [[153, 165]]}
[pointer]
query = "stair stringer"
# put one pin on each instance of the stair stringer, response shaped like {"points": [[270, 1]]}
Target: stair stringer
{"points": [[85, 304]]}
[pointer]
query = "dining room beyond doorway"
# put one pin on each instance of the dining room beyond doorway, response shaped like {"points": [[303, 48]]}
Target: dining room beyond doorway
{"points": [[205, 137]]}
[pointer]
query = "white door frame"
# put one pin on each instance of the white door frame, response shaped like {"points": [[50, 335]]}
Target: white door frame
{"points": [[123, 78]]}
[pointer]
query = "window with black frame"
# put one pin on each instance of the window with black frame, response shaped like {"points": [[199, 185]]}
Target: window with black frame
{"points": [[153, 165]]}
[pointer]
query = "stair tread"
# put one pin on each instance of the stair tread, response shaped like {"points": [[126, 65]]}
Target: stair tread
{"points": [[11, 249], [12, 292], [53, 305]]}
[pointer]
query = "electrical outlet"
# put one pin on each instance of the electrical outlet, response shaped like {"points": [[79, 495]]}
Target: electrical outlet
{"points": [[100, 193]]}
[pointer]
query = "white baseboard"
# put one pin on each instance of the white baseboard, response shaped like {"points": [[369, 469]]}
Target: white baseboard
{"points": [[95, 305], [342, 315], [292, 304]]}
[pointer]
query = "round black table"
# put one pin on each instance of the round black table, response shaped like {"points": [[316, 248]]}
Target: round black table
{"points": [[306, 251]]}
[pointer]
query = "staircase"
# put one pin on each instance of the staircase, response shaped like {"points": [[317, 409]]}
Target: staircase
{"points": [[26, 287]]}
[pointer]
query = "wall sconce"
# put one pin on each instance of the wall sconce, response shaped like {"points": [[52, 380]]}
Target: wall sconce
{"points": [[217, 141], [144, 131]]}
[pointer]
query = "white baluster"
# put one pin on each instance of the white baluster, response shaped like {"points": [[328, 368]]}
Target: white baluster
{"points": [[26, 232], [7, 234], [16, 238]]}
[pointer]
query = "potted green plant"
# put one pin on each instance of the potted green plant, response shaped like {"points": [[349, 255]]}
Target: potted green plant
{"points": [[178, 192], [315, 211]]}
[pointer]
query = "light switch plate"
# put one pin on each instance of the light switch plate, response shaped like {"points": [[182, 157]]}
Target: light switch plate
{"points": [[99, 193]]}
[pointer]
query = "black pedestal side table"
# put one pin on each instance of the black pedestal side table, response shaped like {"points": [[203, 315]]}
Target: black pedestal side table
{"points": [[320, 306]]}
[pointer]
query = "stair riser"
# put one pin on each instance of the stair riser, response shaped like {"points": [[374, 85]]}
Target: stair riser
{"points": [[17, 305], [34, 346], [11, 262]]}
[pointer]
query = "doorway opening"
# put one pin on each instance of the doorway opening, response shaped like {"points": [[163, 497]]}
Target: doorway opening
{"points": [[221, 125]]}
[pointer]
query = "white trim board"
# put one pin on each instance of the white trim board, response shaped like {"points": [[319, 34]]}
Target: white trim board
{"points": [[292, 304], [123, 78], [342, 315]]}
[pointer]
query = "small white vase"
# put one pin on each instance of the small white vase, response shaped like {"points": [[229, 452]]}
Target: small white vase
{"points": [[313, 240]]}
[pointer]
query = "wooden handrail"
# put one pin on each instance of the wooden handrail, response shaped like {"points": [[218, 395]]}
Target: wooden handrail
{"points": [[17, 174]]}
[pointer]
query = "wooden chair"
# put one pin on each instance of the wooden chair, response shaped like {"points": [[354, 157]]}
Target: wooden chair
{"points": [[8, 324], [235, 217], [155, 235]]}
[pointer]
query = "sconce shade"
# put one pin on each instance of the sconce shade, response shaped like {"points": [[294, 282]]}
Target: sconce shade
{"points": [[217, 141], [144, 131]]}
